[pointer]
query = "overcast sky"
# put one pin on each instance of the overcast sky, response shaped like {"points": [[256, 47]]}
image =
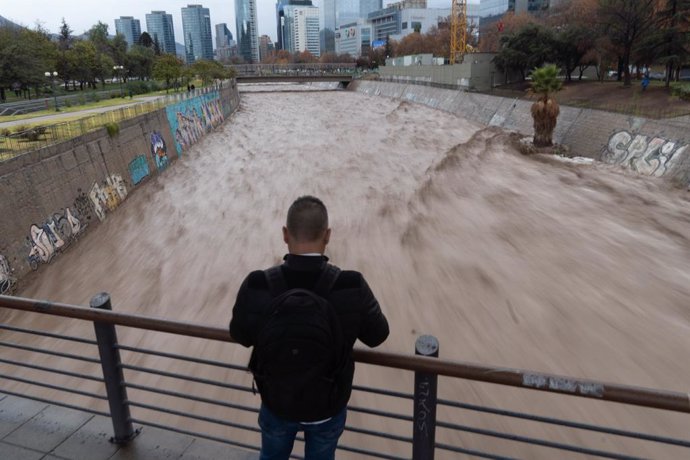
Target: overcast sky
{"points": [[82, 14]]}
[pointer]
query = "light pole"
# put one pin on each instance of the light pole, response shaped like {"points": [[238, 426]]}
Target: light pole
{"points": [[52, 85], [118, 70]]}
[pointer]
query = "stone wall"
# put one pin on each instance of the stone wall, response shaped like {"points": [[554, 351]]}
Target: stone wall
{"points": [[52, 196], [652, 147]]}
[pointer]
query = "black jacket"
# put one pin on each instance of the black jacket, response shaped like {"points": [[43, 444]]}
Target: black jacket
{"points": [[359, 312]]}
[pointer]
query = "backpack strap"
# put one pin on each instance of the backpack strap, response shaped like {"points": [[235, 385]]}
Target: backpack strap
{"points": [[276, 281], [327, 280]]}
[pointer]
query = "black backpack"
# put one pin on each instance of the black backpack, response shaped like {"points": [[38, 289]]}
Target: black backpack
{"points": [[299, 355]]}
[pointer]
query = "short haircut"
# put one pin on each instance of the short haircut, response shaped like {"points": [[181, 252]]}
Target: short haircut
{"points": [[307, 219]]}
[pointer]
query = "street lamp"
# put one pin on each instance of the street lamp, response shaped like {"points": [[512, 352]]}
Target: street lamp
{"points": [[118, 71], [52, 85]]}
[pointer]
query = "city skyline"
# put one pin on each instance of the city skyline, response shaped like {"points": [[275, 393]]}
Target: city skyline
{"points": [[81, 15]]}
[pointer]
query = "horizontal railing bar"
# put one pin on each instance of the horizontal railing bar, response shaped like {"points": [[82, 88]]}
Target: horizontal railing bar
{"points": [[660, 399], [183, 358], [535, 441], [471, 452], [194, 433], [191, 397], [406, 418], [569, 424], [48, 352], [56, 403], [193, 416], [186, 377], [50, 369], [379, 391], [112, 317], [53, 387], [378, 434], [369, 453], [47, 334]]}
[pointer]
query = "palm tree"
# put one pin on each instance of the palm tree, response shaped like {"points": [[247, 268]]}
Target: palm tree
{"points": [[545, 111]]}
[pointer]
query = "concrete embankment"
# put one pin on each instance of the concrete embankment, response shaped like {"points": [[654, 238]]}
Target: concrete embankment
{"points": [[54, 195], [658, 148]]}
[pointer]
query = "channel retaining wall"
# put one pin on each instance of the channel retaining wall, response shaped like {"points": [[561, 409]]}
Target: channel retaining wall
{"points": [[52, 196], [652, 147]]}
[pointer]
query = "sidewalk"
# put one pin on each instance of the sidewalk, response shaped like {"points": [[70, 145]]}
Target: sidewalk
{"points": [[31, 430], [56, 117]]}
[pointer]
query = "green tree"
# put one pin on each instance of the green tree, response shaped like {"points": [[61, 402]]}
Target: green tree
{"points": [[86, 62], [139, 62], [545, 110], [209, 71], [145, 40], [168, 68], [529, 47], [25, 56]]}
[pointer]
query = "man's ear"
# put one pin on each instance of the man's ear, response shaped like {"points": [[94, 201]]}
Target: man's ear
{"points": [[286, 235], [327, 236]]}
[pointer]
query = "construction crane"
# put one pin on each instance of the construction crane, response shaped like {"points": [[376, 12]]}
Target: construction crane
{"points": [[458, 30]]}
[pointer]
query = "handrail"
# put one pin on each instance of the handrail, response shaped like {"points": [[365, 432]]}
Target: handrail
{"points": [[638, 396]]}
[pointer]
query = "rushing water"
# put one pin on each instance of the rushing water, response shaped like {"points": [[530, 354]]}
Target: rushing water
{"points": [[523, 262]]}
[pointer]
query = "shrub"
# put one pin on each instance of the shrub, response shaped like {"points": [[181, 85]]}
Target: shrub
{"points": [[67, 103], [112, 128], [138, 87], [682, 90], [20, 129], [6, 132]]}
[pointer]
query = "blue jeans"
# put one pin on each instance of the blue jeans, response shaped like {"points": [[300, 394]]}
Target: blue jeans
{"points": [[278, 436]]}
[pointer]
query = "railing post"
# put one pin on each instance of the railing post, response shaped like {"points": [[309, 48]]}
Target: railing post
{"points": [[112, 374], [424, 414]]}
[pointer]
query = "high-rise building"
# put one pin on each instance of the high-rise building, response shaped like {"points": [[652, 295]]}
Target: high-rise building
{"points": [[368, 6], [196, 27], [494, 7], [346, 12], [266, 47], [327, 33], [159, 25], [247, 30], [534, 6], [301, 31], [280, 17], [130, 28], [223, 36], [353, 39]]}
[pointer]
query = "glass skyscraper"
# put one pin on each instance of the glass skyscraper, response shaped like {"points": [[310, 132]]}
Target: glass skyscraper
{"points": [[280, 18], [327, 34], [130, 28], [159, 25], [247, 30], [196, 27]]}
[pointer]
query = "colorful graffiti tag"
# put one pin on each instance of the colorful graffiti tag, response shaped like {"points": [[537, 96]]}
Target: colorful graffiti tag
{"points": [[191, 119], [138, 169], [159, 151], [651, 157], [7, 281], [107, 197], [47, 239]]}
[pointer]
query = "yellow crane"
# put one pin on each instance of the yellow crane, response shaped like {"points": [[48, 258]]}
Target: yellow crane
{"points": [[458, 30]]}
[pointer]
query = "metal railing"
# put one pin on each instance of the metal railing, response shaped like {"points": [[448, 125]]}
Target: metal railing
{"points": [[21, 139], [423, 414]]}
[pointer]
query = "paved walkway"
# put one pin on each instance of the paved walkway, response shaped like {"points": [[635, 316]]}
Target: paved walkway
{"points": [[31, 430], [57, 117]]}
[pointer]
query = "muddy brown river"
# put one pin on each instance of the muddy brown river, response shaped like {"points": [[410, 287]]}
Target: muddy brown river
{"points": [[555, 266]]}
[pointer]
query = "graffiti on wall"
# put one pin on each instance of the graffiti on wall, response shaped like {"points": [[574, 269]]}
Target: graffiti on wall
{"points": [[52, 236], [108, 196], [159, 151], [7, 281], [138, 169], [191, 119], [649, 156], [83, 208]]}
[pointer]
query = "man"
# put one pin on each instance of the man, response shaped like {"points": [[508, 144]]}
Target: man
{"points": [[355, 314]]}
